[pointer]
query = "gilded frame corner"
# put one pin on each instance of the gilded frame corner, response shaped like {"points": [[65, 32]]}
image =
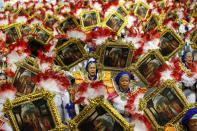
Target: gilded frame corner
{"points": [[45, 95], [89, 109], [123, 9], [156, 19], [47, 19]]}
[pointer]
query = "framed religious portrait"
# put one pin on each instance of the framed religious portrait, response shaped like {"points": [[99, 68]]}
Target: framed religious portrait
{"points": [[23, 78], [24, 28], [122, 10], [68, 23], [164, 105], [12, 33], [70, 53], [89, 19], [132, 7], [141, 10], [99, 115], [115, 55], [50, 20], [115, 22], [151, 24], [146, 67], [170, 43], [21, 12], [42, 34], [35, 111], [32, 61]]}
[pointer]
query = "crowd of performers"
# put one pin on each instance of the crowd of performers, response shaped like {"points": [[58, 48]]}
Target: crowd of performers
{"points": [[119, 91]]}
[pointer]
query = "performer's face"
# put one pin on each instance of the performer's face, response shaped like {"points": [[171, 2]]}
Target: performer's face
{"points": [[2, 80], [192, 125], [92, 69], [189, 58], [124, 83]]}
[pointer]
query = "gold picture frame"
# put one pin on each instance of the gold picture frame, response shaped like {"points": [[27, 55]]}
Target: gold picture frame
{"points": [[144, 68], [22, 79], [13, 33], [89, 112], [142, 10], [161, 4], [170, 14], [152, 23], [194, 11], [115, 22], [174, 105], [21, 12], [122, 53], [70, 53], [89, 19], [43, 35], [170, 43], [50, 20], [193, 34], [122, 10], [68, 22], [38, 107]]}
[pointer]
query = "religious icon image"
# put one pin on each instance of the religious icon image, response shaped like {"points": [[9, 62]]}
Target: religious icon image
{"points": [[50, 21], [67, 23], [70, 54], [34, 115], [116, 57], [25, 29], [121, 11], [89, 19], [141, 11], [23, 82], [151, 24], [42, 35], [115, 22], [11, 35]]}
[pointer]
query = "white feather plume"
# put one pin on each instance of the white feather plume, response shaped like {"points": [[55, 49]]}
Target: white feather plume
{"points": [[100, 40], [139, 126], [50, 85], [21, 19], [151, 45], [14, 57], [76, 34], [131, 20]]}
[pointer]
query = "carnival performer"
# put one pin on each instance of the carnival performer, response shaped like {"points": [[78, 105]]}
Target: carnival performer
{"points": [[189, 121], [189, 76], [91, 83], [6, 91], [125, 100]]}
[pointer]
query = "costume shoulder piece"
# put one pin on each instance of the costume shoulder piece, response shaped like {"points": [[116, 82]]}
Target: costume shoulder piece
{"points": [[78, 77], [108, 82]]}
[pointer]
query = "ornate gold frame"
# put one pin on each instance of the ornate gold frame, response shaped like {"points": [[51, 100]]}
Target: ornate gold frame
{"points": [[11, 26], [46, 18], [181, 42], [193, 43], [66, 44], [6, 6], [21, 9], [28, 67], [156, 19], [143, 4], [123, 8], [134, 67], [74, 123], [120, 16], [44, 30], [92, 26], [9, 105], [74, 20], [194, 11], [193, 34], [115, 43], [161, 2], [166, 84]]}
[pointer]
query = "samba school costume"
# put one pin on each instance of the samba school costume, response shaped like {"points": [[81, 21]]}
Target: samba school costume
{"points": [[6, 91], [126, 100]]}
